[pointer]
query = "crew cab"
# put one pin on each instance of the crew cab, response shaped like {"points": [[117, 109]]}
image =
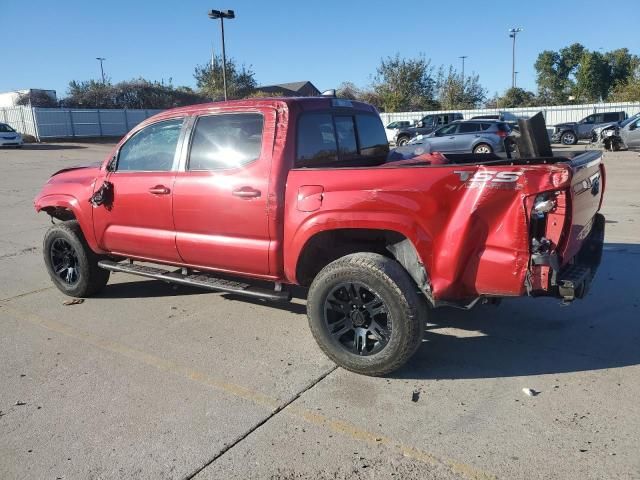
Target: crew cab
{"points": [[253, 196]]}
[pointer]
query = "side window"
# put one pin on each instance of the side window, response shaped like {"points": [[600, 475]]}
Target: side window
{"points": [[225, 141], [611, 117], [373, 142], [599, 118], [469, 127], [152, 149], [346, 133], [485, 126], [316, 139], [589, 119], [448, 130]]}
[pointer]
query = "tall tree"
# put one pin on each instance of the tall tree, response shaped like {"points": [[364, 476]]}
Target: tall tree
{"points": [[593, 78], [516, 97], [629, 90], [405, 84], [622, 64], [455, 93], [240, 79]]}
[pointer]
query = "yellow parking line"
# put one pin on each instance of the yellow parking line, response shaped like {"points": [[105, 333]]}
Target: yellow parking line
{"points": [[312, 417]]}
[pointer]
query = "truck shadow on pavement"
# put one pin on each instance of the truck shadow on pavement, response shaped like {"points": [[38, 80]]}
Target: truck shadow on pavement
{"points": [[535, 336]]}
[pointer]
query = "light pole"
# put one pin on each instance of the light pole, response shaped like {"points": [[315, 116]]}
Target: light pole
{"points": [[101, 59], [512, 34], [463, 57], [515, 81], [222, 14]]}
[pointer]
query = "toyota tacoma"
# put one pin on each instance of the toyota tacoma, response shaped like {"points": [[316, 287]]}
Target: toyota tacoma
{"points": [[253, 196]]}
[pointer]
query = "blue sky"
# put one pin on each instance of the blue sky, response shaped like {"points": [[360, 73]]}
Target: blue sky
{"points": [[51, 43]]}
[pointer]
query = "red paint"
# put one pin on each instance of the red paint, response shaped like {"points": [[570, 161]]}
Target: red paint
{"points": [[471, 236]]}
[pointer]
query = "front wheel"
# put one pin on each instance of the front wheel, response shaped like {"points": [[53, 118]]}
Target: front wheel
{"points": [[568, 138], [71, 264], [402, 141], [366, 314]]}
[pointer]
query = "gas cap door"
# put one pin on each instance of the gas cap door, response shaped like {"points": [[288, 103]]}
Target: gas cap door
{"points": [[309, 198]]}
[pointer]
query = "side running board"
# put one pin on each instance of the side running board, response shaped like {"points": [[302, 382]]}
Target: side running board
{"points": [[200, 279]]}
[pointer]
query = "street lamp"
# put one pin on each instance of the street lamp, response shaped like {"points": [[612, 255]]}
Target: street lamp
{"points": [[515, 81], [101, 59], [463, 57], [222, 14], [512, 34]]}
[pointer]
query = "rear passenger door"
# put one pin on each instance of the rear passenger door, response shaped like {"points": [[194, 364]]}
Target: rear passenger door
{"points": [[468, 133], [221, 193]]}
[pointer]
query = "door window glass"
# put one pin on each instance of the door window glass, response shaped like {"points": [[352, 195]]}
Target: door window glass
{"points": [[225, 141], [152, 149], [469, 128]]}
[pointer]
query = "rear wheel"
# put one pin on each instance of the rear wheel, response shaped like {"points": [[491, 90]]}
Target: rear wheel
{"points": [[568, 138], [71, 264], [483, 148], [366, 314]]}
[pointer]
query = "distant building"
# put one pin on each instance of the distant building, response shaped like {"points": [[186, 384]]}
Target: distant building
{"points": [[293, 89], [10, 99]]}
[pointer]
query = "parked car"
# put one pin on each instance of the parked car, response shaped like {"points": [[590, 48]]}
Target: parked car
{"points": [[616, 136], [210, 192], [9, 137], [570, 133], [392, 129], [425, 125], [470, 136]]}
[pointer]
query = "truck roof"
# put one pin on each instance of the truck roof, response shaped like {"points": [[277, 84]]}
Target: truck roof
{"points": [[301, 103]]}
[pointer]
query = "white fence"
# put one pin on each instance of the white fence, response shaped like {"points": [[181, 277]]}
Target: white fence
{"points": [[45, 123], [553, 114]]}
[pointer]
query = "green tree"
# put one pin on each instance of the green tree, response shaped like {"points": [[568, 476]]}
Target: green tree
{"points": [[240, 79], [516, 97], [593, 78], [455, 93], [404, 84], [629, 90], [136, 93], [36, 98], [622, 64]]}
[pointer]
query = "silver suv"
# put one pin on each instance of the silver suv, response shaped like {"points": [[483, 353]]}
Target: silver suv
{"points": [[470, 136]]}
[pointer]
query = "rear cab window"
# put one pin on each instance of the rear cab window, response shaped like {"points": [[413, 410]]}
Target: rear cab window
{"points": [[337, 139]]}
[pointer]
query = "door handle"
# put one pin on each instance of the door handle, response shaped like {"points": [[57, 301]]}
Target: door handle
{"points": [[159, 190], [246, 192]]}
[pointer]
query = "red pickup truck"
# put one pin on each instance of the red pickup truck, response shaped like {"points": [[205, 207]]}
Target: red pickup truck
{"points": [[305, 192]]}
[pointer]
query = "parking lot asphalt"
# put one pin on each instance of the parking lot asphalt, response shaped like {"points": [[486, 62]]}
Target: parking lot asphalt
{"points": [[154, 382]]}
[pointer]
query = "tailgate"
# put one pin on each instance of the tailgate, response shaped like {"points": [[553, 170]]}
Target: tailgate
{"points": [[583, 202]]}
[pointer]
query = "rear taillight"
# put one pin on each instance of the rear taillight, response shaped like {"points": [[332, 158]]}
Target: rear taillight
{"points": [[502, 134]]}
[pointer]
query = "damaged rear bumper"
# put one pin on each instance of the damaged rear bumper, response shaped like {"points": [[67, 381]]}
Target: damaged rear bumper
{"points": [[574, 279]]}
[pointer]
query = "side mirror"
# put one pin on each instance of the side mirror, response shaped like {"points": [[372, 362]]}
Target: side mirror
{"points": [[633, 126], [111, 166], [420, 124]]}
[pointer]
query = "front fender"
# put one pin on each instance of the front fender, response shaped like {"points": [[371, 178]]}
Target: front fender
{"points": [[82, 213]]}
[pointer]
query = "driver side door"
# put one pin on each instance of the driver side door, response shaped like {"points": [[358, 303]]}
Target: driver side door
{"points": [[632, 137], [139, 220], [444, 140]]}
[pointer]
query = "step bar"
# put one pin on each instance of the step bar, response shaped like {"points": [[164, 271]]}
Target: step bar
{"points": [[200, 280]]}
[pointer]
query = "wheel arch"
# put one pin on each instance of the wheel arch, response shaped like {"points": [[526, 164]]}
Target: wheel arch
{"points": [[67, 207], [322, 247]]}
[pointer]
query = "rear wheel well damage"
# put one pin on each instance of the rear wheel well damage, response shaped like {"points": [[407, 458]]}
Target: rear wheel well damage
{"points": [[325, 247], [60, 213]]}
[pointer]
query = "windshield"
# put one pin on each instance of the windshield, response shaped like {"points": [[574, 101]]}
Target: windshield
{"points": [[626, 122], [5, 128]]}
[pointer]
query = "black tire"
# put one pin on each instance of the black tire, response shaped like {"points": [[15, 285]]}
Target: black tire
{"points": [[72, 265], [402, 312], [481, 149], [568, 138], [402, 141]]}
